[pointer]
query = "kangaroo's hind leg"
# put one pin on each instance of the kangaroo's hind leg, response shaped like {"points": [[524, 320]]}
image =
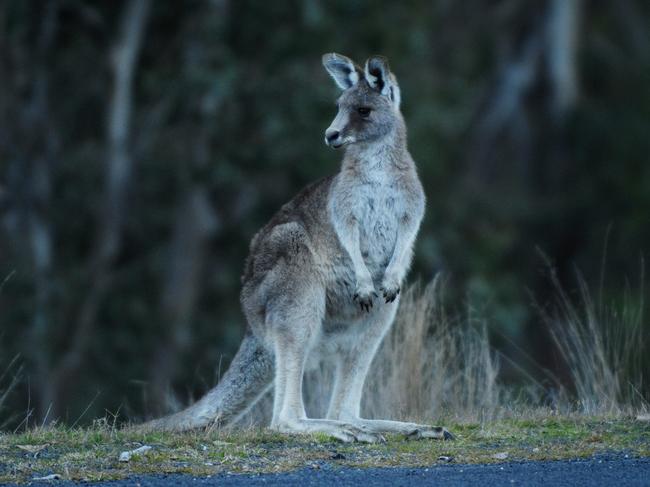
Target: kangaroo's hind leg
{"points": [[351, 371], [293, 320], [292, 332]]}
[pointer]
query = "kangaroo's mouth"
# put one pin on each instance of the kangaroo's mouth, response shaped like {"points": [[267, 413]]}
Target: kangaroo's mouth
{"points": [[337, 144]]}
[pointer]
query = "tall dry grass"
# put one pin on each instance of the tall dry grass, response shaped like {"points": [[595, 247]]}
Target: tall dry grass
{"points": [[432, 364], [604, 347]]}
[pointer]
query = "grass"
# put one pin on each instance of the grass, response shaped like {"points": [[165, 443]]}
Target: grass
{"points": [[92, 454]]}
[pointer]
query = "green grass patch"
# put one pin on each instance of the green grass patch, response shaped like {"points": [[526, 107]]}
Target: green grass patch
{"points": [[93, 454]]}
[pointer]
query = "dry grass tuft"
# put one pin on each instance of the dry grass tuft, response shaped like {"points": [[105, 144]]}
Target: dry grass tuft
{"points": [[432, 365], [603, 348]]}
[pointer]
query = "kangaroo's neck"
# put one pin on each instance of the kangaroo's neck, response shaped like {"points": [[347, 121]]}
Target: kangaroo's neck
{"points": [[389, 153]]}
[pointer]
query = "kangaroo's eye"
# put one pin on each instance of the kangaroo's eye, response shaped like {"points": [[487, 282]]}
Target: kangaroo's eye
{"points": [[364, 111]]}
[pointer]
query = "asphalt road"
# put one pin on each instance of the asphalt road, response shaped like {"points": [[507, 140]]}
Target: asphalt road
{"points": [[606, 471]]}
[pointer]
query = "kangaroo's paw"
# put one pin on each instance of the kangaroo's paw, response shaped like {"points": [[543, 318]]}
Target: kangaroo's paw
{"points": [[345, 432], [390, 292], [364, 296]]}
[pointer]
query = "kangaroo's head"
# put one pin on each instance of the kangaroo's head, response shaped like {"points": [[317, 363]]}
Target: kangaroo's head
{"points": [[368, 108]]}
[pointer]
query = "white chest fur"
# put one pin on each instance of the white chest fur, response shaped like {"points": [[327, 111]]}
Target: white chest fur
{"points": [[377, 202]]}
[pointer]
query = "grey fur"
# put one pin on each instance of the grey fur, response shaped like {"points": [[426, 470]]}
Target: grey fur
{"points": [[324, 275]]}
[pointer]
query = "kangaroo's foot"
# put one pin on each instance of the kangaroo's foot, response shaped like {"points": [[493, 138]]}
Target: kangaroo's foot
{"points": [[411, 430], [346, 432]]}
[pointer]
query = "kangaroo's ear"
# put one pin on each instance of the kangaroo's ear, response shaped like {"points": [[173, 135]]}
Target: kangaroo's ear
{"points": [[342, 69], [380, 78]]}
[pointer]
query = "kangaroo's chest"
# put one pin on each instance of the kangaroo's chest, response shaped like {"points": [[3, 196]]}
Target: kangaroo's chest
{"points": [[377, 208]]}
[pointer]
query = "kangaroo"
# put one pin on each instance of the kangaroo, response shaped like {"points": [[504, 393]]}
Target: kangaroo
{"points": [[324, 275]]}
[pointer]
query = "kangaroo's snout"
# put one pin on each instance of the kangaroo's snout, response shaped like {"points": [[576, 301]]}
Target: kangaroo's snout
{"points": [[333, 138], [336, 135]]}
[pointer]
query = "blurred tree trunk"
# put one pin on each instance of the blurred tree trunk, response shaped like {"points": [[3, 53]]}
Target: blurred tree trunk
{"points": [[540, 47], [519, 143], [562, 41], [124, 57], [554, 177]]}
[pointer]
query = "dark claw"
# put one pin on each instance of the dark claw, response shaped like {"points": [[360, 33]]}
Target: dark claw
{"points": [[365, 302], [390, 296]]}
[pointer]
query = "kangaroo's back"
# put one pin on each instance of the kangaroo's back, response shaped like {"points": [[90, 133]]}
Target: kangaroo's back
{"points": [[308, 210]]}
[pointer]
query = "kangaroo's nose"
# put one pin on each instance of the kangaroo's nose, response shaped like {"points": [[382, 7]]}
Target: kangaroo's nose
{"points": [[331, 135]]}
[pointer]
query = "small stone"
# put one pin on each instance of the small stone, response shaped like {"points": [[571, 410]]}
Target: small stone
{"points": [[337, 456], [47, 478], [500, 456], [126, 456], [221, 443]]}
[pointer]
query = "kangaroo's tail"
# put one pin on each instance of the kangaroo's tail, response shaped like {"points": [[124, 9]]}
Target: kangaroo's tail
{"points": [[249, 376]]}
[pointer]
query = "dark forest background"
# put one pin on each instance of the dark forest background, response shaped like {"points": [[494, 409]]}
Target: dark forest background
{"points": [[143, 143]]}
